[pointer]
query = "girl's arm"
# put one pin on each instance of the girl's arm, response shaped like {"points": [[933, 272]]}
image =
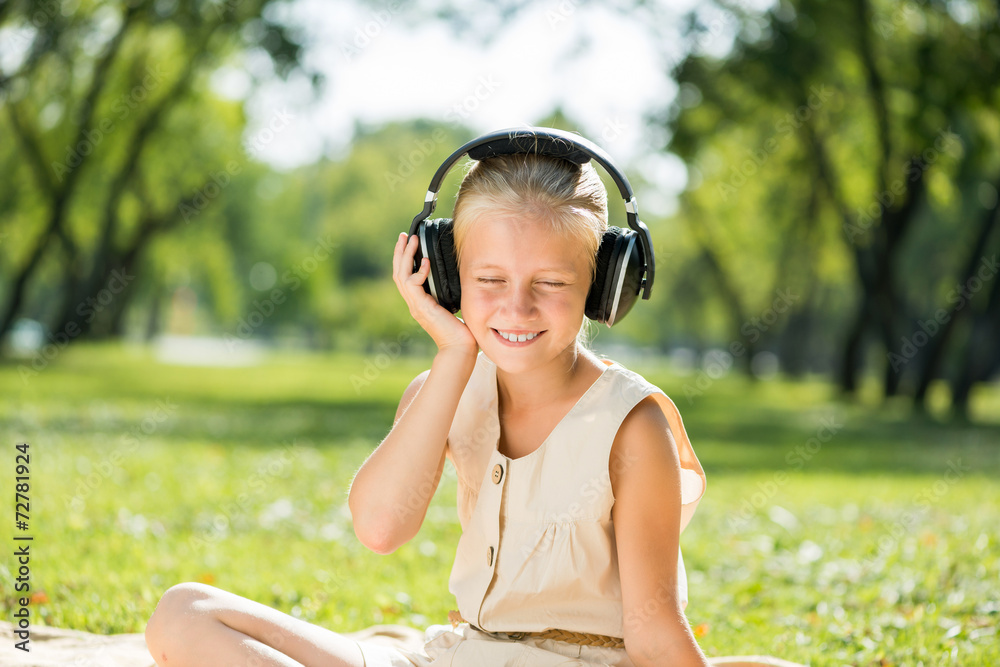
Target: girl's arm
{"points": [[391, 491], [645, 480]]}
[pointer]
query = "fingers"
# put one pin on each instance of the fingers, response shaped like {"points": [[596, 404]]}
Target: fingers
{"points": [[397, 255], [443, 327], [402, 258], [425, 268], [409, 282], [405, 271]]}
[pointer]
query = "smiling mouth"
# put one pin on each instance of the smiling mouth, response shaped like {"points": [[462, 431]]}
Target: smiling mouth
{"points": [[518, 336]]}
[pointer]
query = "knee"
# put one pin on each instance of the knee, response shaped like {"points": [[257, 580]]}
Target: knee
{"points": [[174, 614]]}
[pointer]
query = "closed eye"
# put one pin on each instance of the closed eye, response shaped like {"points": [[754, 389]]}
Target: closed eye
{"points": [[549, 283]]}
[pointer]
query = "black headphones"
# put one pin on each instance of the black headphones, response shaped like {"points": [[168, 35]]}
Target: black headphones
{"points": [[624, 266]]}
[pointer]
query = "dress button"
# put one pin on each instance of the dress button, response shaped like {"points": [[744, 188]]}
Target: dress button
{"points": [[497, 473], [489, 556]]}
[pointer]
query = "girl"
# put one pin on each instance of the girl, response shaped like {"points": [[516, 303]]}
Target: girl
{"points": [[575, 475]]}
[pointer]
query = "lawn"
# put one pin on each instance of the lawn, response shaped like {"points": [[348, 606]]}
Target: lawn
{"points": [[832, 533]]}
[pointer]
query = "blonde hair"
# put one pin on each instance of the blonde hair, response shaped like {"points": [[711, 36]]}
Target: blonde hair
{"points": [[568, 197]]}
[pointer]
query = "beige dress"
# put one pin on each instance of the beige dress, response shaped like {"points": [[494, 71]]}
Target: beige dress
{"points": [[537, 549]]}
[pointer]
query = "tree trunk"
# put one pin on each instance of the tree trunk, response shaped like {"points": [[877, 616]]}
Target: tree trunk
{"points": [[936, 349], [981, 355], [885, 307], [60, 196], [851, 360], [736, 310], [154, 323], [20, 283]]}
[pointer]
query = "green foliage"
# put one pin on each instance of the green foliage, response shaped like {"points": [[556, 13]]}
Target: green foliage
{"points": [[846, 150], [792, 138], [357, 206], [119, 138]]}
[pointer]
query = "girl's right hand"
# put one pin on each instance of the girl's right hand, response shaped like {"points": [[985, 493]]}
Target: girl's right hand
{"points": [[448, 332]]}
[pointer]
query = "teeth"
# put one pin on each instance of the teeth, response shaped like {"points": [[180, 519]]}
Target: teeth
{"points": [[517, 338]]}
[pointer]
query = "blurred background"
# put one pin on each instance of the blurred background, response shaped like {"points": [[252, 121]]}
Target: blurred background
{"points": [[222, 177]]}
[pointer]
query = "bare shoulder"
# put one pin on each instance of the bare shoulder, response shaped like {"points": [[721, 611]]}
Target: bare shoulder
{"points": [[644, 438]]}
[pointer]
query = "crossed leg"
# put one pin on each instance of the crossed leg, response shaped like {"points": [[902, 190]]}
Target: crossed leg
{"points": [[196, 624]]}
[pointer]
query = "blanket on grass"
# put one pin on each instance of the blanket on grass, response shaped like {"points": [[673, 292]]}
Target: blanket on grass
{"points": [[60, 647]]}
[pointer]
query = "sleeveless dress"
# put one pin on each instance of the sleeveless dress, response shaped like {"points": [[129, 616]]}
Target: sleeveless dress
{"points": [[538, 550]]}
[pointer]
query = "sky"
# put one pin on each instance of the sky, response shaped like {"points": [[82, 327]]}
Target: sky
{"points": [[381, 65]]}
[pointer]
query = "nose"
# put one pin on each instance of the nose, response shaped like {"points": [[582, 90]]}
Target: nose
{"points": [[521, 305]]}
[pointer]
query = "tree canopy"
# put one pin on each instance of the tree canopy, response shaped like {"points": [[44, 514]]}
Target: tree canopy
{"points": [[839, 216]]}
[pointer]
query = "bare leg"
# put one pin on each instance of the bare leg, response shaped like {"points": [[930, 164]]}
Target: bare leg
{"points": [[196, 624]]}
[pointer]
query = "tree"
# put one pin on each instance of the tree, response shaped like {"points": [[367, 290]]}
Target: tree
{"points": [[889, 110], [113, 114]]}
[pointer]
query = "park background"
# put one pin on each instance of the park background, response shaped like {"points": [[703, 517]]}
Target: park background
{"points": [[202, 342]]}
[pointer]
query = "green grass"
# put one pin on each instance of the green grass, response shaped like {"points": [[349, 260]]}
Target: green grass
{"points": [[854, 547]]}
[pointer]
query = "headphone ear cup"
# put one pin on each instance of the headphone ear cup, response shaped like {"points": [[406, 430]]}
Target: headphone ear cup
{"points": [[625, 291], [437, 243], [617, 278], [449, 267], [601, 285]]}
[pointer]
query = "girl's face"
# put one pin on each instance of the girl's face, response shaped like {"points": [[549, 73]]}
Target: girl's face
{"points": [[524, 289]]}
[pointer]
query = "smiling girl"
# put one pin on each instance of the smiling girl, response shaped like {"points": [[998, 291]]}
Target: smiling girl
{"points": [[575, 474]]}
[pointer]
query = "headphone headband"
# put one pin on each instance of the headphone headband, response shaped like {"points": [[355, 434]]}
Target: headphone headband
{"points": [[552, 143]]}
